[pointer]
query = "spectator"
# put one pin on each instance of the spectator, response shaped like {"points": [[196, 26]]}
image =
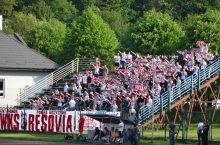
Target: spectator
{"points": [[88, 104], [72, 104], [54, 104], [105, 71], [84, 81], [97, 134], [112, 135], [120, 130], [123, 59], [205, 133], [117, 136], [200, 131], [117, 61], [65, 89], [114, 107], [134, 135], [126, 107], [106, 136], [96, 69], [171, 133], [132, 114], [59, 103]]}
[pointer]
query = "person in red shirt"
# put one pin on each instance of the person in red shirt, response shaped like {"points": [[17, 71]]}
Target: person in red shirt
{"points": [[81, 124]]}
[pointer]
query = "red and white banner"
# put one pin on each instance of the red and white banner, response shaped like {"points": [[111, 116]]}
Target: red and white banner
{"points": [[48, 120], [37, 120]]}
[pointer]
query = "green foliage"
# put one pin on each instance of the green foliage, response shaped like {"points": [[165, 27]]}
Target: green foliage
{"points": [[20, 23], [63, 10], [40, 9], [154, 33], [47, 38], [203, 27], [6, 7], [83, 4], [90, 37], [115, 21], [24, 3]]}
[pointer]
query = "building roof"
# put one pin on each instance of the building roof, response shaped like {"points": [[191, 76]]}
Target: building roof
{"points": [[16, 55]]}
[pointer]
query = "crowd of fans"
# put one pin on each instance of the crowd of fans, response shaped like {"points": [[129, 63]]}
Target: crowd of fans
{"points": [[136, 81]]}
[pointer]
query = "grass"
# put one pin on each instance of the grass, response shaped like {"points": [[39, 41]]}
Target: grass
{"points": [[159, 138]]}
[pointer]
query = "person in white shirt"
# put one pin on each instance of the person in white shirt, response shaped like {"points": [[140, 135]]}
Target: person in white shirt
{"points": [[114, 107], [200, 128], [117, 60], [79, 79], [195, 69], [79, 89], [96, 70], [120, 130], [183, 75], [123, 59], [84, 81], [132, 113], [203, 64], [86, 96], [150, 101], [72, 104], [65, 89], [129, 56]]}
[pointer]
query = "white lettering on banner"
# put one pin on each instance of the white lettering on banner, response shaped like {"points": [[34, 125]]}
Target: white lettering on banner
{"points": [[33, 120], [102, 112], [48, 120]]}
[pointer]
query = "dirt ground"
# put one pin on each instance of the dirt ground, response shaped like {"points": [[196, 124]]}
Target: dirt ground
{"points": [[23, 142]]}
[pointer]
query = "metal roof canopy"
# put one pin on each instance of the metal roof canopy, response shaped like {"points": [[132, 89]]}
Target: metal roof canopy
{"points": [[107, 118]]}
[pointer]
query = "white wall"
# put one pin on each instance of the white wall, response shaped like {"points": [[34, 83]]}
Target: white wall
{"points": [[1, 22], [16, 81]]}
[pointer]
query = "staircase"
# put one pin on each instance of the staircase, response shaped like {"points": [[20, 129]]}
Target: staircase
{"points": [[179, 94], [56, 79]]}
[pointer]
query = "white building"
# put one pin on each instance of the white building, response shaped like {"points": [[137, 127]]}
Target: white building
{"points": [[20, 67]]}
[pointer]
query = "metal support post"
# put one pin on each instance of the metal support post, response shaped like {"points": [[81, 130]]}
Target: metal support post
{"points": [[199, 80], [169, 99], [192, 83]]}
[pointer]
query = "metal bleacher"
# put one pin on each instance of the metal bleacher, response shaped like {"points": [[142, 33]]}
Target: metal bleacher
{"points": [[171, 99]]}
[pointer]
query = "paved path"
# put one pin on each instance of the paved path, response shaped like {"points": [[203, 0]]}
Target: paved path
{"points": [[24, 142]]}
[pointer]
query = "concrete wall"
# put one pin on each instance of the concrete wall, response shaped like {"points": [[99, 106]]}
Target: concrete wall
{"points": [[15, 81]]}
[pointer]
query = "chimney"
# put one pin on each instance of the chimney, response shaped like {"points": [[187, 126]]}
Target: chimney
{"points": [[1, 22]]}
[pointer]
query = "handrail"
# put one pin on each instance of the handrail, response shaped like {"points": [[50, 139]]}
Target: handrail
{"points": [[44, 83], [188, 85]]}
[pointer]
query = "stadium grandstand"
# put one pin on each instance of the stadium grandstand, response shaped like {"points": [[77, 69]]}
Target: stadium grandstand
{"points": [[137, 83]]}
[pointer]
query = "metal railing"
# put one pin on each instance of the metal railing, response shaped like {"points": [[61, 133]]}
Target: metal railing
{"points": [[74, 66], [188, 85]]}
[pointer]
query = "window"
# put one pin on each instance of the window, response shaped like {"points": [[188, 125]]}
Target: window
{"points": [[2, 88]]}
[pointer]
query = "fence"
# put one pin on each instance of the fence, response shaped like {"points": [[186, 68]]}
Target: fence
{"points": [[188, 85], [44, 83]]}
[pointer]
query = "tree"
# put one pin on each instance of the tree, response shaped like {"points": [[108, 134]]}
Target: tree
{"points": [[40, 9], [91, 37], [81, 5], [154, 33], [115, 21], [63, 10], [47, 38], [203, 27], [6, 7], [20, 23], [20, 4]]}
